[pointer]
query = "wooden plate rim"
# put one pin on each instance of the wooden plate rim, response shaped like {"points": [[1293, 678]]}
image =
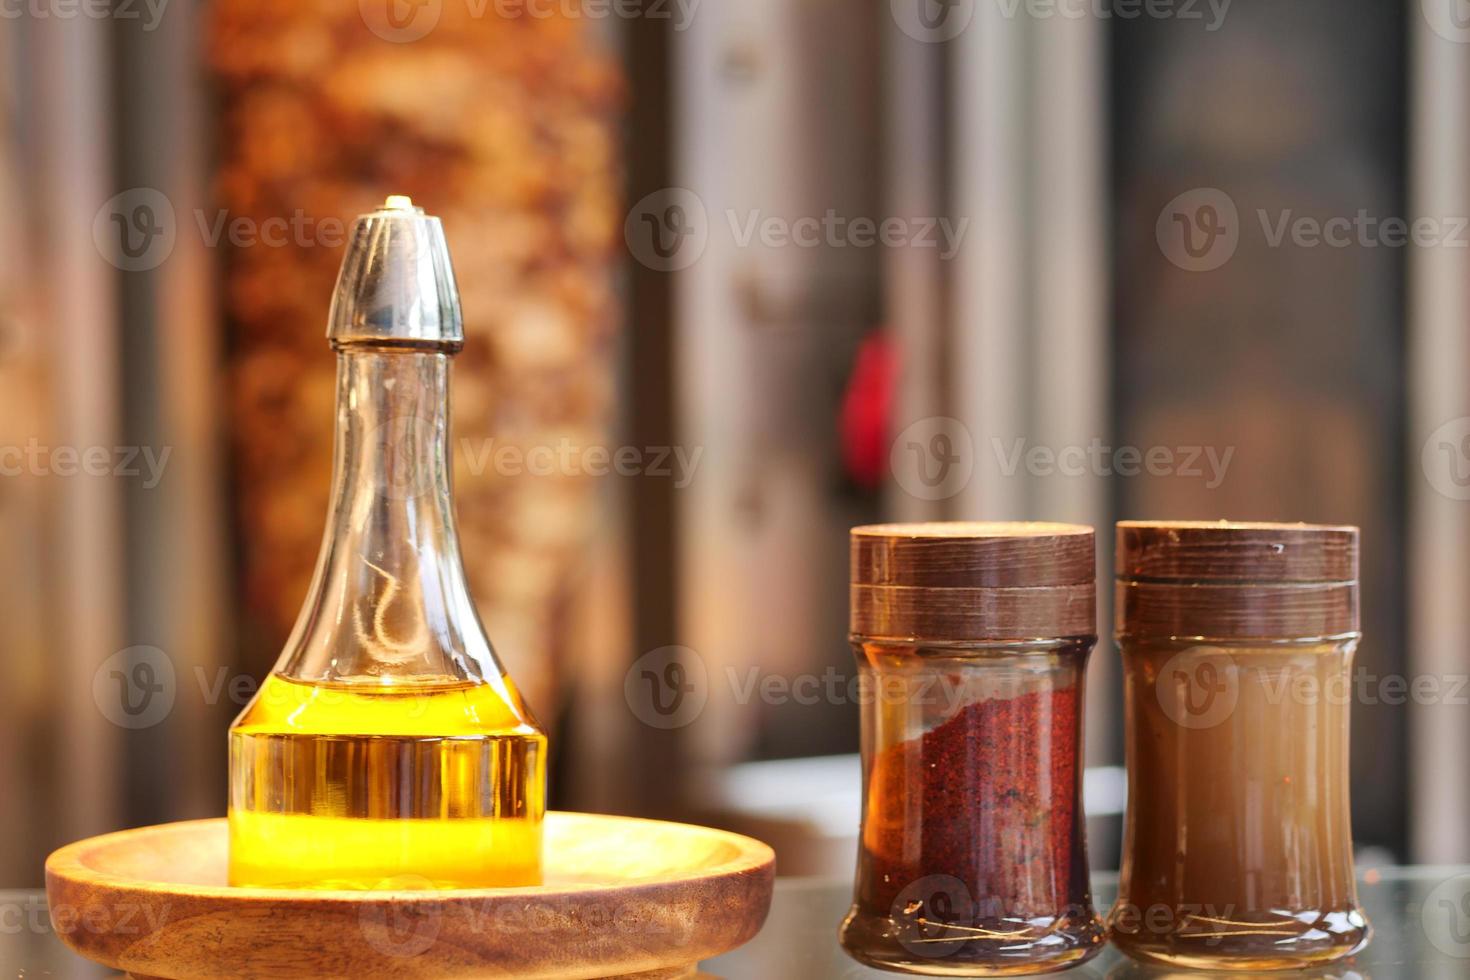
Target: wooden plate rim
{"points": [[66, 864]]}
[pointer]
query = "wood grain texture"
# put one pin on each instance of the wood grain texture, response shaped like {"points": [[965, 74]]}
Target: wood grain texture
{"points": [[1235, 581], [623, 898], [1195, 552], [973, 555], [963, 580]]}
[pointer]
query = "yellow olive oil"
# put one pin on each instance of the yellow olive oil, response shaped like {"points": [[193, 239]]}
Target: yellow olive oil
{"points": [[362, 783]]}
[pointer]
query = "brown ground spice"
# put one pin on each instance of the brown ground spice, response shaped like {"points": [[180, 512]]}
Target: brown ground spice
{"points": [[988, 797]]}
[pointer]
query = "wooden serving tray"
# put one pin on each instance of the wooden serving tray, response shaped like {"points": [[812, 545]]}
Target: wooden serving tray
{"points": [[623, 898]]}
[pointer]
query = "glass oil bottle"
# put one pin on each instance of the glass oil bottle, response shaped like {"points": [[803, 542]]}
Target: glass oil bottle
{"points": [[388, 748]]}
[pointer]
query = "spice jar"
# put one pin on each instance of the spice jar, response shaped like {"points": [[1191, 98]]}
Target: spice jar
{"points": [[972, 643], [1237, 644]]}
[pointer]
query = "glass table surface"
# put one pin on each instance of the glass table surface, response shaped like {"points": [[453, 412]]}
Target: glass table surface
{"points": [[1421, 920], [1420, 917]]}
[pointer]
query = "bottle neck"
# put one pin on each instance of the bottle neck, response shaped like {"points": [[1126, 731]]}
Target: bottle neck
{"points": [[389, 600]]}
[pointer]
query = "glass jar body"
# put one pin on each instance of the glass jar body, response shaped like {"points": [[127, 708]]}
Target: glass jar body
{"points": [[1237, 844], [972, 859]]}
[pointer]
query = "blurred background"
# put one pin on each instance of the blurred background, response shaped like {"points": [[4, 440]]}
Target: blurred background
{"points": [[736, 277]]}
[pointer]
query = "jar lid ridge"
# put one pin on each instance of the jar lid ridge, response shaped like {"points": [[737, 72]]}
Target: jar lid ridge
{"points": [[1235, 580], [956, 581]]}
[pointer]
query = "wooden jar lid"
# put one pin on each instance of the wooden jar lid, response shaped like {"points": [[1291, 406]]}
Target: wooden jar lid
{"points": [[973, 581], [1226, 580]]}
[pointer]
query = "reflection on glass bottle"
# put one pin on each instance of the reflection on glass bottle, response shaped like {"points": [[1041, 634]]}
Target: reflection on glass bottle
{"points": [[388, 748]]}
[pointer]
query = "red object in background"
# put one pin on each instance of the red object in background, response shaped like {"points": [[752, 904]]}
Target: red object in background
{"points": [[867, 406]]}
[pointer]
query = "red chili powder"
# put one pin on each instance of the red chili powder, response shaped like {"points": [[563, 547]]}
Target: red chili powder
{"points": [[988, 797]]}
